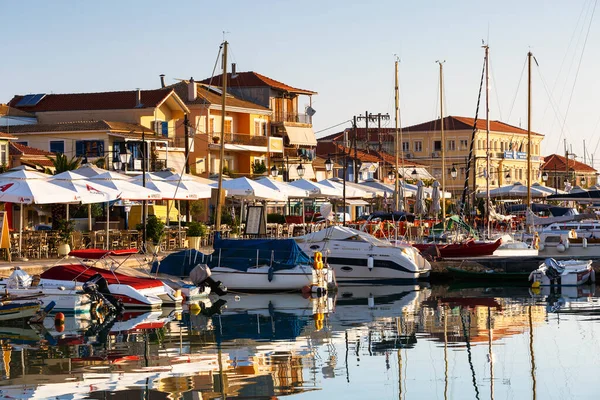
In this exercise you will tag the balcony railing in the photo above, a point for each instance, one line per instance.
(135, 165)
(290, 117)
(242, 139)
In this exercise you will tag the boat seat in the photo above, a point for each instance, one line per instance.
(35, 280)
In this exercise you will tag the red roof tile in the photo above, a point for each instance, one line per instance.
(22, 150)
(79, 126)
(555, 162)
(254, 79)
(36, 161)
(5, 109)
(207, 96)
(95, 101)
(453, 123)
(324, 149)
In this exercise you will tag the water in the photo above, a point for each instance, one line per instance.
(384, 342)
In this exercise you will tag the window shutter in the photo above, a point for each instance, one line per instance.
(79, 148)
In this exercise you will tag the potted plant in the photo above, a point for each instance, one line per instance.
(216, 139)
(195, 232)
(65, 232)
(235, 228)
(154, 232)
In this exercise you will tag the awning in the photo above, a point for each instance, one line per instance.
(353, 202)
(175, 159)
(301, 136)
(407, 172)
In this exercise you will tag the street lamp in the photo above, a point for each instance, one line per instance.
(391, 174)
(274, 171)
(507, 178)
(328, 166)
(453, 172)
(414, 173)
(544, 177)
(582, 181)
(124, 158)
(300, 170)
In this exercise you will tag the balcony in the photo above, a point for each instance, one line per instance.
(290, 117)
(242, 139)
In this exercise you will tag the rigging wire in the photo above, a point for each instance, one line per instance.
(517, 91)
(496, 91)
(577, 73)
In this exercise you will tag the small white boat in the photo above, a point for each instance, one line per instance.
(563, 273)
(20, 285)
(267, 265)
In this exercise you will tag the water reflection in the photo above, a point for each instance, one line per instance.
(367, 342)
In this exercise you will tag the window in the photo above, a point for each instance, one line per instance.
(437, 145)
(57, 146)
(451, 145)
(228, 125)
(89, 148)
(4, 154)
(464, 144)
(405, 146)
(418, 146)
(260, 127)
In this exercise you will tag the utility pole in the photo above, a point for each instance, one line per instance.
(441, 63)
(222, 150)
(372, 117)
(355, 153)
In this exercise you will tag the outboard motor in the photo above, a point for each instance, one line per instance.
(553, 269)
(200, 276)
(97, 284)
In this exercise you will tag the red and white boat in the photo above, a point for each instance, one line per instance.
(133, 292)
(469, 248)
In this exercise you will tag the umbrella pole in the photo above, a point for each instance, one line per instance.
(21, 230)
(179, 221)
(107, 224)
(67, 213)
(90, 217)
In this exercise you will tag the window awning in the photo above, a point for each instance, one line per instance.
(352, 202)
(422, 173)
(301, 136)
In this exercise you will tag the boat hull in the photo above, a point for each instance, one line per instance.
(462, 250)
(71, 301)
(257, 279)
(575, 273)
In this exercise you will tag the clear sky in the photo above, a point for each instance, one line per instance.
(344, 50)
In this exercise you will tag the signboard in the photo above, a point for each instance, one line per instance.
(275, 145)
(255, 221)
(515, 155)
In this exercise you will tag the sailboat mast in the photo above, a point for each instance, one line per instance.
(529, 55)
(443, 139)
(487, 137)
(396, 142)
(222, 149)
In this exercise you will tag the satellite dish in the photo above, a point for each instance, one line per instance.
(310, 111)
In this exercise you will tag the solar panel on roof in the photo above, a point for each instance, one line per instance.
(30, 100)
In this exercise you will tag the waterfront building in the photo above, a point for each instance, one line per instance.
(561, 172)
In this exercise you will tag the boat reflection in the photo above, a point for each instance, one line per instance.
(474, 342)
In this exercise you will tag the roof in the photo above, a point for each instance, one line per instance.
(254, 79)
(328, 149)
(208, 96)
(42, 162)
(557, 162)
(17, 149)
(96, 101)
(5, 109)
(79, 126)
(454, 123)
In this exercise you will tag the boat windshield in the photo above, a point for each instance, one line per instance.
(365, 237)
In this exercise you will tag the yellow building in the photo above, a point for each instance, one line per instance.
(97, 126)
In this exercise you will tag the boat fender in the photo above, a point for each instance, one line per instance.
(584, 243)
(371, 301)
(270, 274)
(318, 263)
(561, 248)
(370, 263)
(593, 276)
(566, 244)
(59, 322)
(306, 289)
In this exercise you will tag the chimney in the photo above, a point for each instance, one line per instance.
(192, 90)
(138, 98)
(162, 80)
(233, 70)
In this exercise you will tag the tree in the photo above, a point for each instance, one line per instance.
(61, 163)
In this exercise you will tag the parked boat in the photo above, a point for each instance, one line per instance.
(20, 285)
(12, 309)
(267, 265)
(563, 273)
(469, 248)
(132, 292)
(489, 276)
(356, 256)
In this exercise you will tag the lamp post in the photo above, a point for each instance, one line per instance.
(507, 178)
(328, 167)
(300, 170)
(125, 158)
(453, 174)
(274, 171)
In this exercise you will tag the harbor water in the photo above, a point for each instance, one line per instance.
(366, 342)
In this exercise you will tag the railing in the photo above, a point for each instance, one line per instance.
(241, 139)
(279, 116)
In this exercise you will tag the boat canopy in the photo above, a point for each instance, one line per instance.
(341, 233)
(243, 254)
(180, 263)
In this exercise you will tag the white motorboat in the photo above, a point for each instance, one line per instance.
(267, 265)
(20, 285)
(563, 273)
(356, 256)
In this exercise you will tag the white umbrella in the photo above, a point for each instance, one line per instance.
(316, 189)
(434, 209)
(420, 207)
(516, 190)
(409, 190)
(247, 189)
(89, 170)
(167, 190)
(289, 190)
(193, 184)
(88, 191)
(127, 189)
(374, 192)
(351, 191)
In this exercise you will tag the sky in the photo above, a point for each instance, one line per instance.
(344, 50)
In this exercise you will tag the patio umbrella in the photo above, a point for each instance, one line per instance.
(351, 190)
(420, 207)
(247, 189)
(316, 189)
(24, 186)
(196, 185)
(434, 208)
(89, 170)
(285, 188)
(516, 190)
(410, 190)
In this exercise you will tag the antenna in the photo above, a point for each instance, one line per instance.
(225, 33)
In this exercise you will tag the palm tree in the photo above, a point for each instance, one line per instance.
(62, 164)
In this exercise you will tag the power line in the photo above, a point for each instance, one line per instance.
(334, 126)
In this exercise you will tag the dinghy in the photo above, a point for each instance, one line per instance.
(563, 273)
